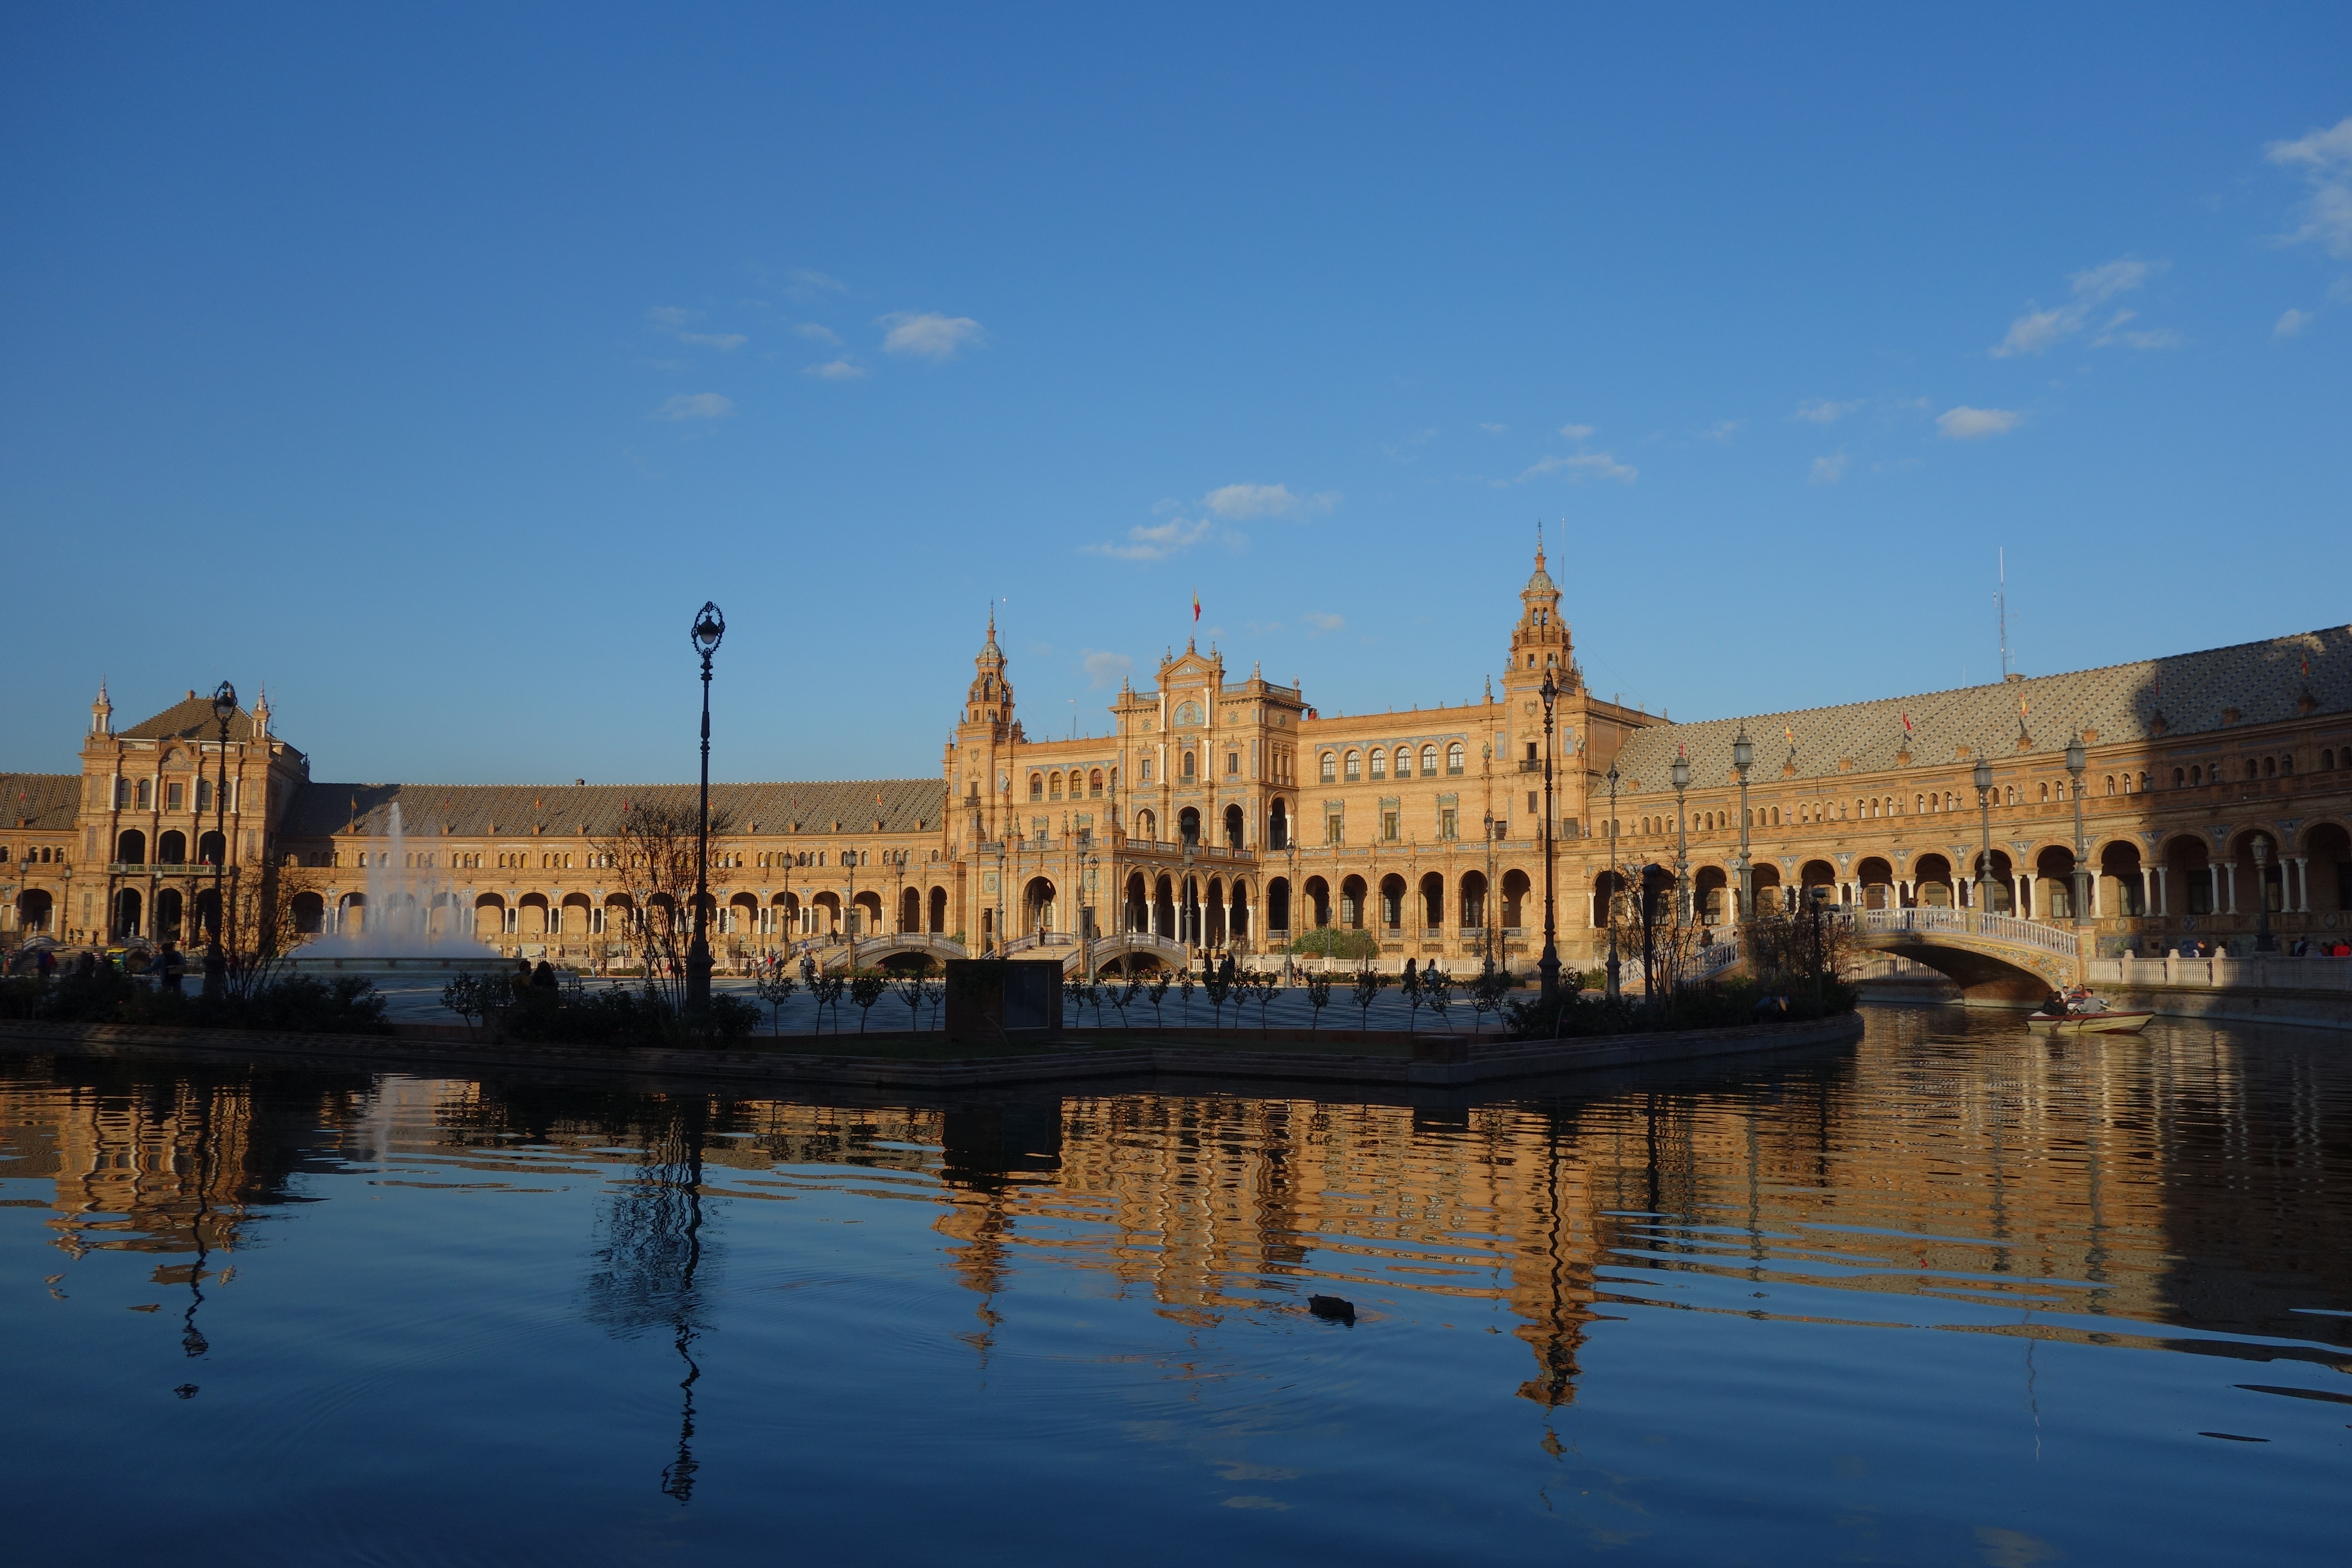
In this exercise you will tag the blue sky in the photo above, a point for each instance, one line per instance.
(432, 366)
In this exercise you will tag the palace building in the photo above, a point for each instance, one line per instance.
(1224, 813)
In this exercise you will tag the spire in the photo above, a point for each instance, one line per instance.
(101, 712)
(261, 716)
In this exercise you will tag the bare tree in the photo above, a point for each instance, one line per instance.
(652, 857)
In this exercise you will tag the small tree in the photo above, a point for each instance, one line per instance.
(1261, 985)
(1218, 987)
(910, 992)
(775, 988)
(827, 990)
(1437, 991)
(864, 990)
(1184, 984)
(1368, 984)
(1486, 993)
(469, 996)
(1319, 997)
(1122, 995)
(1411, 986)
(1158, 991)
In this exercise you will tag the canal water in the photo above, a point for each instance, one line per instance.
(1948, 1296)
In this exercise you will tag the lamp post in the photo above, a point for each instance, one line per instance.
(1743, 756)
(2263, 941)
(2074, 763)
(1548, 965)
(1983, 777)
(709, 625)
(1485, 914)
(1681, 774)
(215, 960)
(1615, 882)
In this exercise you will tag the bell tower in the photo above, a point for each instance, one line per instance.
(979, 760)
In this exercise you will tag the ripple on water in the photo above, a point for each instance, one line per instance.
(1957, 1295)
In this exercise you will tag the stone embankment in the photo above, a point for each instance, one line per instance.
(1431, 1060)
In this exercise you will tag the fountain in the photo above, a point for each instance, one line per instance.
(399, 930)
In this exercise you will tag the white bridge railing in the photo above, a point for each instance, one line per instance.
(1969, 922)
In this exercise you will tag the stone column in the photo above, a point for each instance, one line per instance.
(2302, 904)
(2233, 869)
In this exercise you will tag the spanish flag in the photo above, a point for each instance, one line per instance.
(1196, 604)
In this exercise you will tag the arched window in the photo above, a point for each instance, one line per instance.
(2327, 759)
(1428, 760)
(1094, 784)
(1036, 786)
(1453, 758)
(1331, 768)
(2270, 767)
(1190, 769)
(1405, 762)
(1054, 785)
(2286, 765)
(1355, 766)
(1147, 770)
(1379, 763)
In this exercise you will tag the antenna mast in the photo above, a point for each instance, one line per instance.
(2001, 608)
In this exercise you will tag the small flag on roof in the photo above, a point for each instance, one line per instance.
(1907, 723)
(1196, 604)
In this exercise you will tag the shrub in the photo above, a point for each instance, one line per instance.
(1337, 941)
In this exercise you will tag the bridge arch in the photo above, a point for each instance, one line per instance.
(1995, 960)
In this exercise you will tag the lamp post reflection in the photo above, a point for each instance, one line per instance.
(649, 1269)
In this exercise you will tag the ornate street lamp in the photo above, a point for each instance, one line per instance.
(709, 625)
(1486, 912)
(1983, 777)
(1743, 756)
(1548, 965)
(2263, 941)
(2074, 763)
(1681, 773)
(1616, 882)
(215, 960)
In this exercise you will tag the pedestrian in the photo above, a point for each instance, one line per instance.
(521, 983)
(175, 967)
(44, 962)
(543, 977)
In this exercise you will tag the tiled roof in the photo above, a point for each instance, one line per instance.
(595, 810)
(189, 721)
(44, 802)
(2185, 694)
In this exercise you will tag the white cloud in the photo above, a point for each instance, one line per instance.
(695, 406)
(1105, 669)
(1966, 424)
(1722, 429)
(669, 315)
(1492, 429)
(1156, 540)
(1576, 432)
(816, 333)
(1825, 411)
(1324, 621)
(722, 342)
(2040, 330)
(1237, 501)
(802, 283)
(836, 370)
(1595, 465)
(928, 334)
(2326, 159)
(1829, 470)
(2155, 338)
(2293, 323)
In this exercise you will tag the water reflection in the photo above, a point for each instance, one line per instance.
(2186, 1190)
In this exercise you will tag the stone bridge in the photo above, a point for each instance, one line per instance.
(1130, 950)
(833, 952)
(1992, 958)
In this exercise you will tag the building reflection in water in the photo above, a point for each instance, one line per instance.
(2177, 1180)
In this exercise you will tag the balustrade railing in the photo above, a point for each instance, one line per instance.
(1969, 922)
